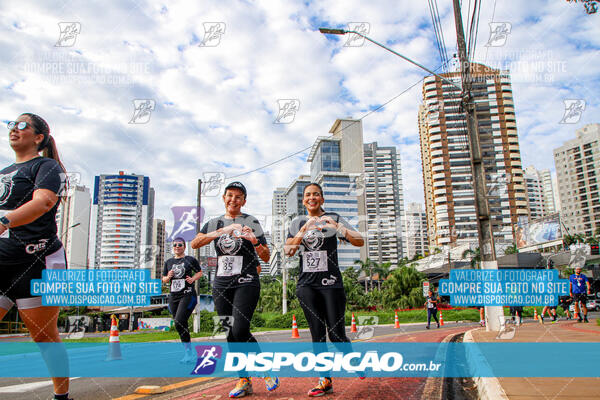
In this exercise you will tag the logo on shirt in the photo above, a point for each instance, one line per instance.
(229, 245)
(313, 240)
(6, 185)
(178, 271)
(245, 279)
(329, 281)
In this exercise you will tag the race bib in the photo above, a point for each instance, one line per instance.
(314, 261)
(177, 285)
(230, 265)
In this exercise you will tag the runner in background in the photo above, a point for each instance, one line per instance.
(29, 191)
(481, 315)
(431, 304)
(240, 245)
(182, 271)
(320, 288)
(551, 310)
(565, 302)
(579, 288)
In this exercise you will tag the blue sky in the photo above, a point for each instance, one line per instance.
(215, 105)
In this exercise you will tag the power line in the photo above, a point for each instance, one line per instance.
(306, 148)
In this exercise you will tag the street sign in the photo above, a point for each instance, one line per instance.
(425, 289)
(212, 261)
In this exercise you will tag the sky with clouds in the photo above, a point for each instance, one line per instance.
(214, 97)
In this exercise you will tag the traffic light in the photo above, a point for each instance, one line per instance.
(594, 250)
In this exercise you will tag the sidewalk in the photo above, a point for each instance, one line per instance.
(541, 388)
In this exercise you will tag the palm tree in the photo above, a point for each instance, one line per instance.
(367, 267)
(382, 270)
(475, 256)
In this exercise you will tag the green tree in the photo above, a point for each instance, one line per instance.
(402, 289)
(355, 298)
(512, 249)
(367, 267)
(475, 256)
(383, 271)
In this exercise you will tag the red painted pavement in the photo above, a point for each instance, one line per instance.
(344, 388)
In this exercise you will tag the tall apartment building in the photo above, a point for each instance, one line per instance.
(577, 164)
(385, 203)
(122, 215)
(447, 175)
(73, 223)
(540, 194)
(415, 231)
(337, 164)
(278, 217)
(159, 244)
(294, 195)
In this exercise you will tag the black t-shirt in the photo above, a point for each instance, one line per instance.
(17, 184)
(319, 266)
(182, 268)
(237, 257)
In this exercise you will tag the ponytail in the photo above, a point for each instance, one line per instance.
(50, 151)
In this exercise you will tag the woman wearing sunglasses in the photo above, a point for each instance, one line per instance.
(182, 271)
(320, 288)
(29, 194)
(240, 244)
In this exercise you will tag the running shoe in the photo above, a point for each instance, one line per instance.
(579, 320)
(586, 320)
(272, 383)
(426, 326)
(438, 324)
(243, 388)
(541, 320)
(324, 387)
(188, 357)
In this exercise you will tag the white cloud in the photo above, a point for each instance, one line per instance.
(215, 106)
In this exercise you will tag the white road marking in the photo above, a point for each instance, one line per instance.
(26, 387)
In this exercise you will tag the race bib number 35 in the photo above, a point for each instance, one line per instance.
(229, 265)
(314, 261)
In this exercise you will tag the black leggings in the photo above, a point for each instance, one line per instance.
(324, 311)
(239, 302)
(181, 308)
(432, 312)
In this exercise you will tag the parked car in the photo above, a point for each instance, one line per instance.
(591, 305)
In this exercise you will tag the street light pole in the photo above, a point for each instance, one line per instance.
(494, 314)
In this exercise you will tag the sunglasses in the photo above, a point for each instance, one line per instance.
(19, 124)
(178, 245)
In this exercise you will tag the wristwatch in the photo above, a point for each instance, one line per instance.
(4, 221)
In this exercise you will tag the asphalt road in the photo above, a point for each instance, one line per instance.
(114, 388)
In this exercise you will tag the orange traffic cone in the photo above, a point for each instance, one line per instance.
(441, 319)
(295, 334)
(114, 344)
(396, 322)
(535, 315)
(353, 326)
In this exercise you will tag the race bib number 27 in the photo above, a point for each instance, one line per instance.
(314, 261)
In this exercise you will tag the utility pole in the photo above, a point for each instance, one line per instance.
(198, 214)
(494, 314)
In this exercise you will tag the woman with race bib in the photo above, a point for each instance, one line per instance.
(240, 245)
(182, 271)
(29, 198)
(320, 288)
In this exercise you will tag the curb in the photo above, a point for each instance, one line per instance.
(434, 386)
(488, 388)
